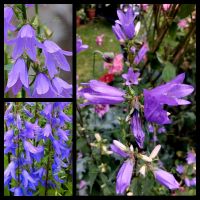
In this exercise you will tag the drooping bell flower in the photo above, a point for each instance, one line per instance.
(166, 179)
(10, 171)
(25, 42)
(98, 92)
(136, 128)
(17, 77)
(170, 94)
(124, 176)
(131, 77)
(80, 46)
(54, 57)
(43, 87)
(27, 179)
(8, 14)
(18, 191)
(62, 88)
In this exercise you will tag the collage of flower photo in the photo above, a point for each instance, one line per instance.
(126, 121)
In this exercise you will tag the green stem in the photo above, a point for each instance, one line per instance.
(93, 66)
(47, 168)
(37, 14)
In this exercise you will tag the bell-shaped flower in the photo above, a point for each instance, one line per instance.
(80, 46)
(54, 57)
(32, 151)
(126, 20)
(43, 87)
(58, 146)
(166, 179)
(8, 136)
(18, 191)
(25, 42)
(124, 176)
(10, 170)
(30, 129)
(136, 128)
(47, 130)
(131, 77)
(27, 178)
(17, 77)
(8, 14)
(62, 88)
(170, 94)
(64, 118)
(63, 135)
(141, 53)
(118, 148)
(98, 92)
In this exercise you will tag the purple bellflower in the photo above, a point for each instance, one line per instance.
(191, 158)
(190, 182)
(124, 176)
(166, 179)
(98, 92)
(131, 77)
(27, 179)
(180, 169)
(18, 191)
(62, 88)
(115, 148)
(136, 128)
(54, 57)
(17, 77)
(141, 53)
(43, 87)
(25, 41)
(8, 14)
(80, 46)
(126, 22)
(10, 171)
(170, 94)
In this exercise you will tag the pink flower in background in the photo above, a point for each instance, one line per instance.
(166, 7)
(117, 66)
(144, 6)
(101, 110)
(183, 23)
(99, 39)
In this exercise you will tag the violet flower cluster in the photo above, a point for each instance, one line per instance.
(171, 94)
(46, 83)
(39, 152)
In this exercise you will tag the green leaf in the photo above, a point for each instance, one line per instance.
(8, 67)
(173, 29)
(169, 72)
(93, 172)
(185, 10)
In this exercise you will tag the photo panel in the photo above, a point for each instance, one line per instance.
(136, 100)
(38, 50)
(38, 149)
